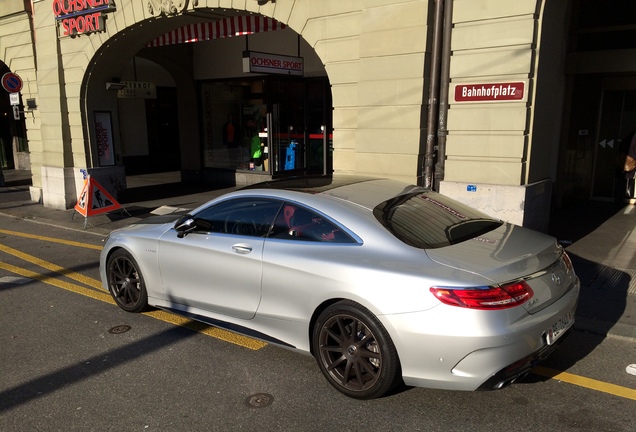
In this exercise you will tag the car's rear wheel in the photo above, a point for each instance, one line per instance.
(354, 351)
(125, 282)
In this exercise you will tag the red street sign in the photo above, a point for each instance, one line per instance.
(11, 82)
(491, 92)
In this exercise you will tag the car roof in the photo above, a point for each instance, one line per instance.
(311, 184)
(364, 191)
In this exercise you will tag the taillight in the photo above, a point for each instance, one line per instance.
(486, 298)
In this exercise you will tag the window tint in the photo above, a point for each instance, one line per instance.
(243, 216)
(428, 220)
(299, 223)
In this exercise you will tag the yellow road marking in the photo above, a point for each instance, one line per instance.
(580, 381)
(51, 239)
(53, 267)
(208, 330)
(168, 317)
(102, 296)
(224, 334)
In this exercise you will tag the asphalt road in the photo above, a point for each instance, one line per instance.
(72, 361)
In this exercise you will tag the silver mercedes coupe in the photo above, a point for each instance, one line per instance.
(381, 281)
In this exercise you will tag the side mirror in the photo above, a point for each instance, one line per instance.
(186, 224)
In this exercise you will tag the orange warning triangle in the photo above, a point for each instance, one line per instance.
(95, 200)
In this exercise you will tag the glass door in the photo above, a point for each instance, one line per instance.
(288, 125)
(319, 128)
(300, 131)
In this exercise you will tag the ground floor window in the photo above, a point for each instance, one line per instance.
(233, 115)
(267, 124)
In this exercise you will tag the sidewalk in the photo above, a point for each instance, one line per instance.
(604, 258)
(147, 195)
(600, 239)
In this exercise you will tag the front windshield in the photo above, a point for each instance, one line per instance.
(429, 220)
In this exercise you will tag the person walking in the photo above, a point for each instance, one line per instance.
(627, 164)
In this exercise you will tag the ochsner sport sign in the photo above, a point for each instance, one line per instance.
(82, 16)
(491, 92)
(272, 63)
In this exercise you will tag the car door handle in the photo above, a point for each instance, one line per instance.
(242, 248)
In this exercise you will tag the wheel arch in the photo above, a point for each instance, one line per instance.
(382, 335)
(119, 247)
(326, 303)
(112, 250)
(125, 280)
(314, 317)
(144, 266)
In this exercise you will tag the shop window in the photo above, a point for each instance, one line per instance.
(233, 115)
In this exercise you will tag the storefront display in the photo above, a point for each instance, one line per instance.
(268, 125)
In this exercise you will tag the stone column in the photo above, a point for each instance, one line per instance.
(54, 158)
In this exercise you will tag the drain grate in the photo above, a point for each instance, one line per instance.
(119, 329)
(631, 287)
(617, 280)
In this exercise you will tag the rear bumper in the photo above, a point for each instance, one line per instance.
(475, 354)
(520, 368)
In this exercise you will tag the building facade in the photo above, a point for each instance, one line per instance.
(511, 107)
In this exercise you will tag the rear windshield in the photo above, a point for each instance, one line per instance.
(428, 220)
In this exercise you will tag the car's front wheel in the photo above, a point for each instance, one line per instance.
(125, 282)
(354, 351)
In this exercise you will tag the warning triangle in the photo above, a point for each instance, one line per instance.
(95, 200)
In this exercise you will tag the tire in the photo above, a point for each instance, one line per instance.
(125, 282)
(354, 351)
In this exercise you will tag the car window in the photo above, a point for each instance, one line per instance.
(242, 216)
(428, 220)
(296, 222)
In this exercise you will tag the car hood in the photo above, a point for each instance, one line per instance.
(511, 253)
(158, 224)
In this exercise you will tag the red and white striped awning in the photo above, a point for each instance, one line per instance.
(228, 27)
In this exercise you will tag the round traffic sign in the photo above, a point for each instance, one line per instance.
(11, 82)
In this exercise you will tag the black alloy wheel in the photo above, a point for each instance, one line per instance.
(354, 351)
(125, 282)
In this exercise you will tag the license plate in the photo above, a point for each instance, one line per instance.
(559, 328)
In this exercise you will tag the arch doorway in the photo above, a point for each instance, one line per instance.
(188, 100)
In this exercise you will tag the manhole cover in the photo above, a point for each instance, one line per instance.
(119, 329)
(259, 400)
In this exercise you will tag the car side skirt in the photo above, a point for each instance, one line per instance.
(228, 326)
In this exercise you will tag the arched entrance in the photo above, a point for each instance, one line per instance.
(222, 96)
(373, 70)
